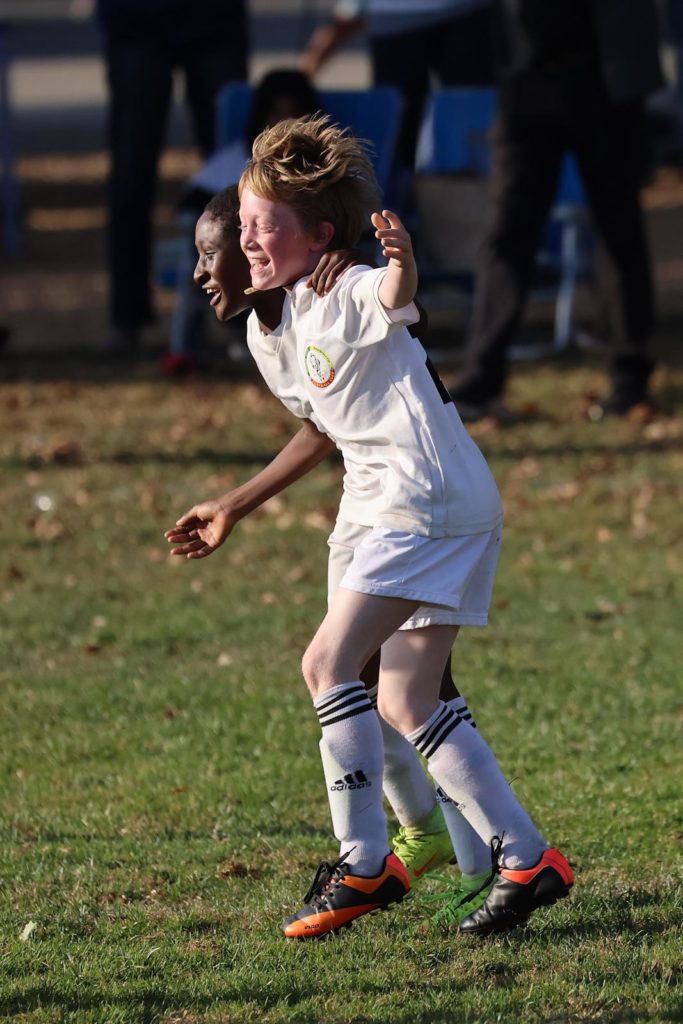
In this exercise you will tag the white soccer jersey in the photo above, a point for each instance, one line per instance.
(353, 368)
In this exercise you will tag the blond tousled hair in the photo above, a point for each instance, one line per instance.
(321, 171)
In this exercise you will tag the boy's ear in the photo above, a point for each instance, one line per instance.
(324, 233)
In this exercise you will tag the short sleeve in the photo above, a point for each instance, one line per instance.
(366, 320)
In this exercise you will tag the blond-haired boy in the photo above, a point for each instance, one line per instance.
(420, 513)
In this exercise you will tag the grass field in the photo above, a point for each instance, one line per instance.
(162, 805)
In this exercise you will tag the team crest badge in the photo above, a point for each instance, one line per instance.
(319, 367)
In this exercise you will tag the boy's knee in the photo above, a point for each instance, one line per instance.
(324, 665)
(316, 669)
(405, 713)
(390, 711)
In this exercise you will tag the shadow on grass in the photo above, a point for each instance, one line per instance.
(293, 830)
(225, 458)
(147, 1006)
(150, 1006)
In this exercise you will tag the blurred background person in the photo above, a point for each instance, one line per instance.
(413, 43)
(280, 94)
(669, 104)
(573, 75)
(144, 42)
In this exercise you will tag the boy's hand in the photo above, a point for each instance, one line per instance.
(395, 240)
(201, 530)
(399, 283)
(331, 267)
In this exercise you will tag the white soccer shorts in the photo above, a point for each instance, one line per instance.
(452, 577)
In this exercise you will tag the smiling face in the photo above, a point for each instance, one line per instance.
(222, 271)
(278, 247)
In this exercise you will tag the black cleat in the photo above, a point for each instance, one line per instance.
(516, 894)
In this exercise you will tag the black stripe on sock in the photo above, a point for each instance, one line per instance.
(419, 740)
(439, 740)
(426, 738)
(323, 716)
(329, 701)
(349, 714)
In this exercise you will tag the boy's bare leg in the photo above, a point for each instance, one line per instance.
(367, 876)
(403, 660)
(458, 758)
(355, 627)
(423, 837)
(525, 873)
(411, 670)
(423, 841)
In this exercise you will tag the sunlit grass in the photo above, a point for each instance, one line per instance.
(161, 803)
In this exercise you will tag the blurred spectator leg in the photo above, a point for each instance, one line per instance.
(207, 64)
(527, 158)
(140, 79)
(187, 322)
(612, 155)
(456, 52)
(403, 62)
(674, 33)
(462, 49)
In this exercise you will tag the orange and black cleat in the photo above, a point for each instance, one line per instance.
(516, 894)
(337, 897)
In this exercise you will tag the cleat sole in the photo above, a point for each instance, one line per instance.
(510, 923)
(342, 927)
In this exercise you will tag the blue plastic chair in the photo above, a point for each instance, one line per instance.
(454, 136)
(454, 139)
(371, 114)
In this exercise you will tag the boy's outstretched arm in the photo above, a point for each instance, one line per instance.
(399, 284)
(208, 525)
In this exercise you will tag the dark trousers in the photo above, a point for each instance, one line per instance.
(140, 81)
(609, 143)
(455, 52)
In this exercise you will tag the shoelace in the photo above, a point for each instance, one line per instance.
(404, 839)
(496, 851)
(456, 895)
(324, 877)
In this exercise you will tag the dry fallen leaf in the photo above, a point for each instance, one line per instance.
(234, 869)
(566, 491)
(27, 931)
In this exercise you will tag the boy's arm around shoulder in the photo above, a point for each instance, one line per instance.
(206, 526)
(399, 283)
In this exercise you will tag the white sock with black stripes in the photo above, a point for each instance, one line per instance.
(406, 785)
(472, 853)
(464, 766)
(352, 734)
